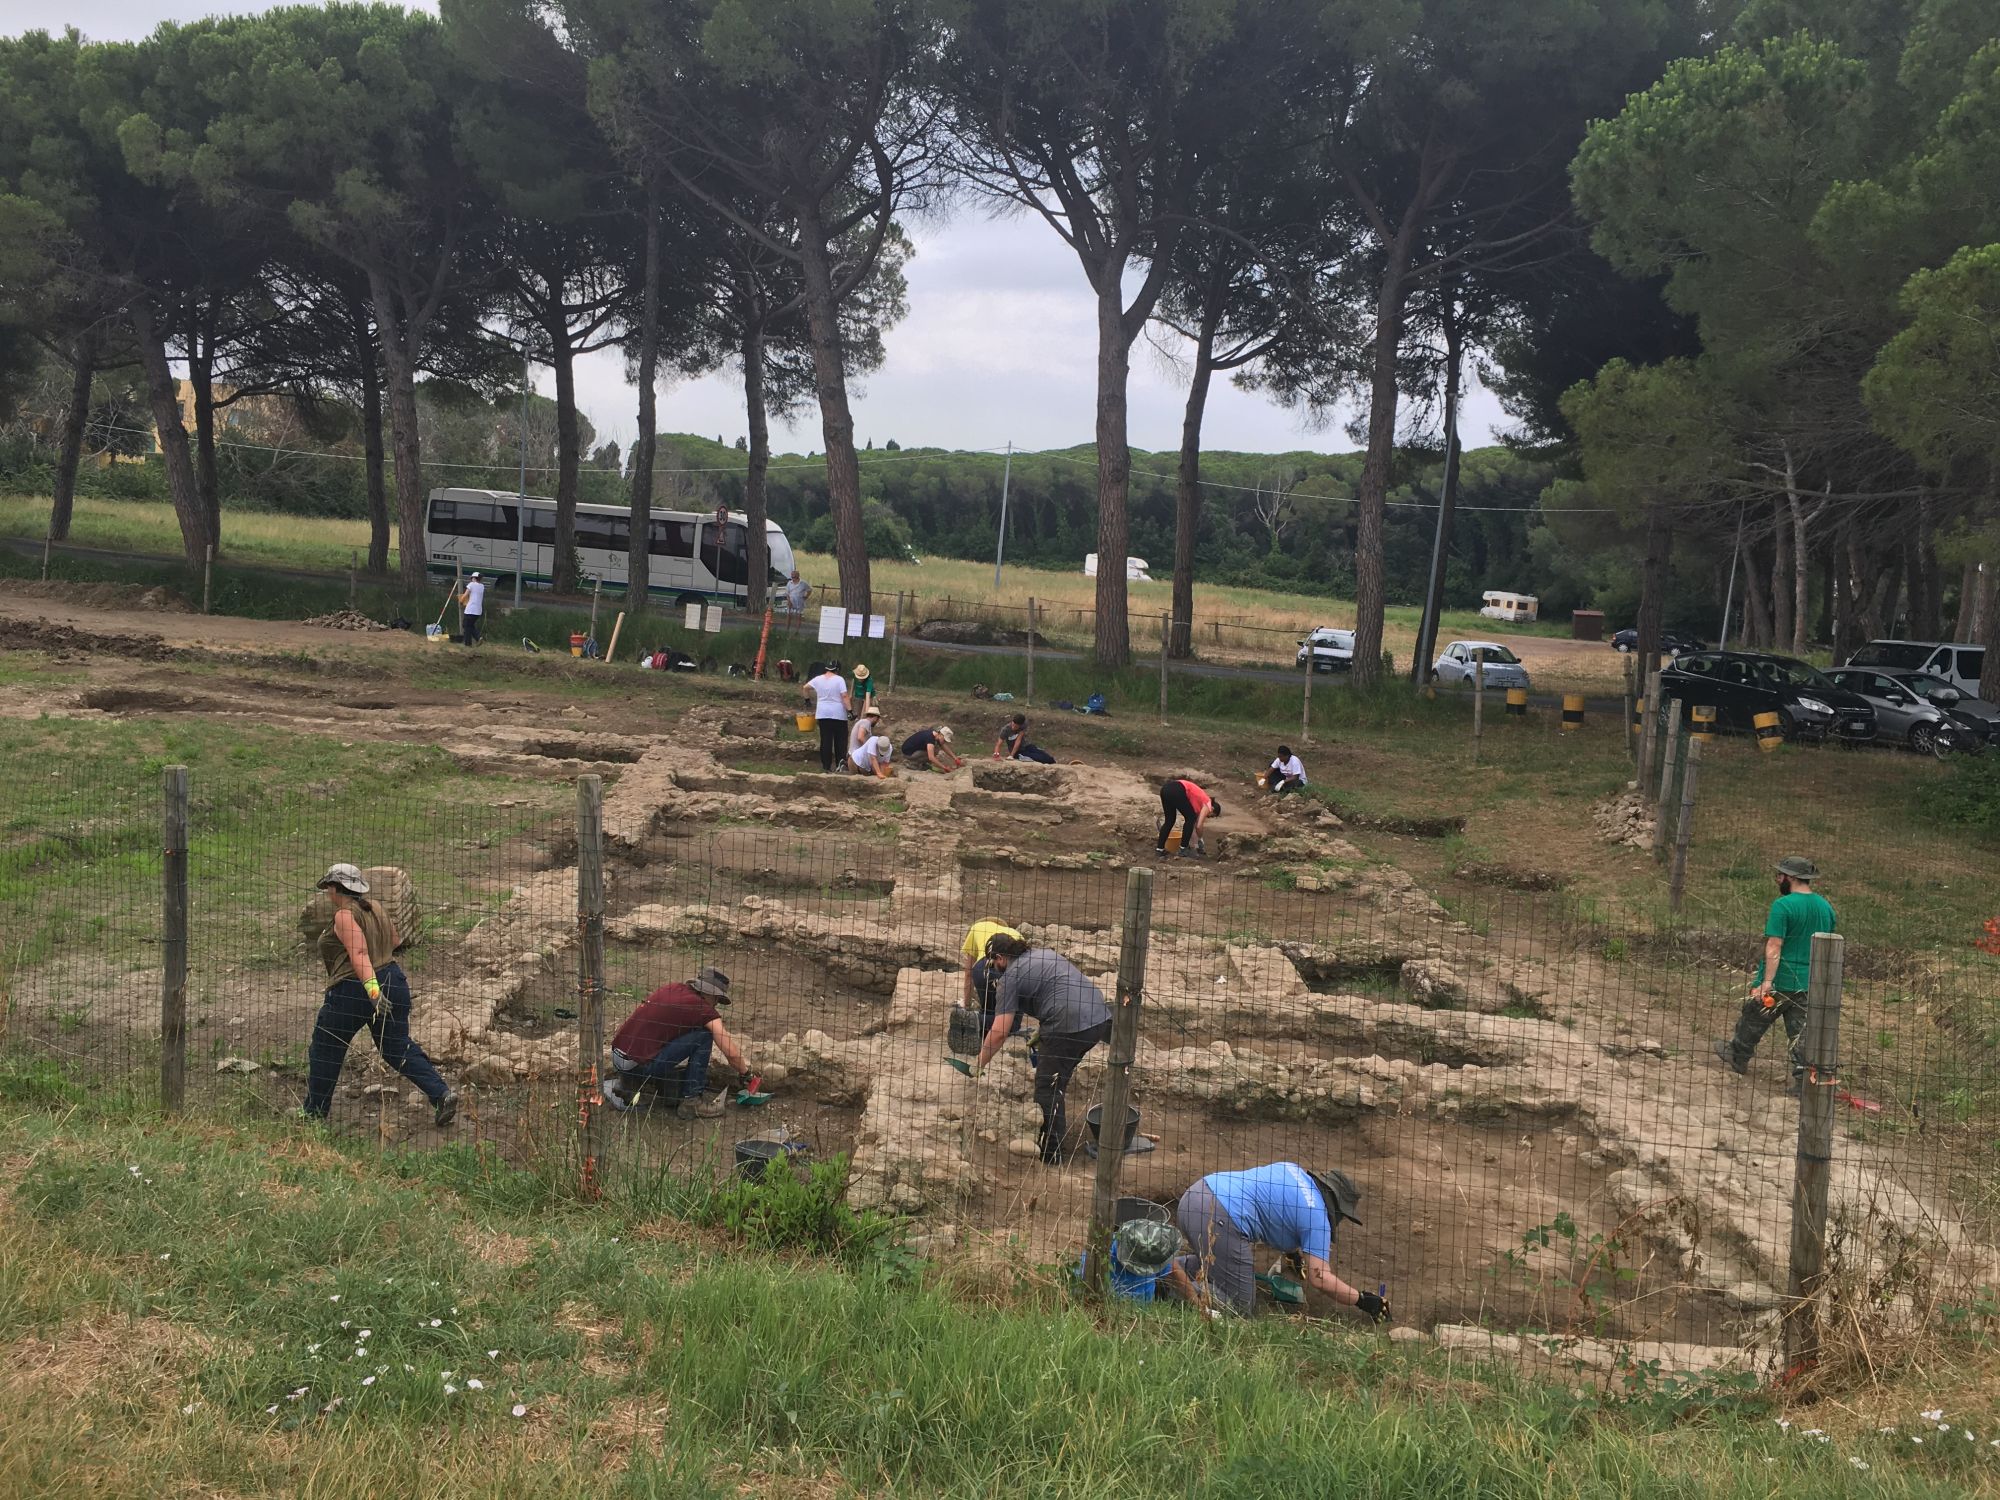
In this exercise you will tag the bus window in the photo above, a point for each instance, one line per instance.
(604, 533)
(541, 528)
(472, 518)
(733, 565)
(672, 539)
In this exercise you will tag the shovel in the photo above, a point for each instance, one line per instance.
(960, 1064)
(750, 1095)
(1282, 1288)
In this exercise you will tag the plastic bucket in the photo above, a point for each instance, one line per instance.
(1125, 1210)
(964, 1033)
(1094, 1118)
(754, 1158)
(576, 639)
(1173, 840)
(806, 722)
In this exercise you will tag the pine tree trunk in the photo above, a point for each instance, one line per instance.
(1187, 493)
(76, 417)
(1652, 585)
(1454, 373)
(1756, 605)
(836, 418)
(568, 460)
(1989, 632)
(639, 556)
(754, 508)
(1114, 469)
(405, 444)
(368, 359)
(172, 435)
(1781, 574)
(1926, 588)
(1371, 494)
(201, 386)
(1801, 577)
(1967, 626)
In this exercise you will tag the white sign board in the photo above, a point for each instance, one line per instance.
(692, 616)
(877, 627)
(832, 624)
(856, 623)
(712, 621)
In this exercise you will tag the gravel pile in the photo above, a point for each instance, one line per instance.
(345, 619)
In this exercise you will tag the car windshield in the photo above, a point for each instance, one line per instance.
(1925, 683)
(1783, 669)
(1499, 656)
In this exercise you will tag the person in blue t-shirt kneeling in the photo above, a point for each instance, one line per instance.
(1281, 1205)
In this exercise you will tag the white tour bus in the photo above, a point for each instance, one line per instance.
(468, 529)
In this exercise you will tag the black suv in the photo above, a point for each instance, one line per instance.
(1743, 684)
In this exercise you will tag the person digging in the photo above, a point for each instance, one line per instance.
(1281, 1205)
(1797, 913)
(1074, 1018)
(671, 1036)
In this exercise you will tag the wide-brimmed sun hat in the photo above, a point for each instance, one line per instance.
(1341, 1195)
(712, 983)
(1798, 867)
(944, 733)
(860, 672)
(1145, 1247)
(347, 877)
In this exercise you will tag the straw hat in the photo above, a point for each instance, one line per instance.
(860, 672)
(944, 733)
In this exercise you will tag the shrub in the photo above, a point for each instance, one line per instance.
(1968, 795)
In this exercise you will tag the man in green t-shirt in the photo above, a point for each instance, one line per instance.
(1796, 915)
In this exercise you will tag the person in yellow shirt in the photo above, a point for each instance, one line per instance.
(982, 981)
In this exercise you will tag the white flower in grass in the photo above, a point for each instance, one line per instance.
(475, 1385)
(451, 1390)
(520, 1410)
(366, 1333)
(437, 1322)
(367, 1379)
(1918, 1441)
(1783, 1425)
(1858, 1463)
(312, 1348)
(334, 1298)
(347, 1322)
(166, 1255)
(270, 1411)
(1932, 1416)
(1944, 1427)
(492, 1353)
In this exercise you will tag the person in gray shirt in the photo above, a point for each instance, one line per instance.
(1074, 1017)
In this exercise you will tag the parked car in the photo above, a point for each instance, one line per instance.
(1975, 713)
(1332, 650)
(1902, 713)
(1627, 640)
(1743, 684)
(1954, 661)
(1503, 668)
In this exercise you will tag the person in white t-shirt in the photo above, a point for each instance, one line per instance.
(473, 601)
(831, 705)
(797, 591)
(1287, 772)
(867, 724)
(874, 756)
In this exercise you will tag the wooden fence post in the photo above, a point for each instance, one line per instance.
(1820, 1048)
(173, 938)
(895, 639)
(1478, 704)
(1649, 728)
(1631, 694)
(590, 979)
(1166, 623)
(1306, 712)
(1029, 694)
(1677, 880)
(1665, 803)
(207, 567)
(1134, 940)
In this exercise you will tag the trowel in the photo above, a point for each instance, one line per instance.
(750, 1094)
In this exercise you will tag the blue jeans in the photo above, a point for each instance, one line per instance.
(345, 1011)
(691, 1049)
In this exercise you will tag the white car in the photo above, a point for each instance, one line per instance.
(1332, 650)
(1503, 668)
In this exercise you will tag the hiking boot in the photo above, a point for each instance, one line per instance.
(446, 1109)
(1726, 1050)
(609, 1089)
(702, 1106)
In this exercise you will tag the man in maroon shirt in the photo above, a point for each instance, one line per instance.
(674, 1030)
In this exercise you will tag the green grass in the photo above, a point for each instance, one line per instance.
(183, 1307)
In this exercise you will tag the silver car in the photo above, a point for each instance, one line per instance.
(1901, 713)
(1331, 648)
(1503, 668)
(1973, 713)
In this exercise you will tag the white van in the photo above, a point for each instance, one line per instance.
(1956, 662)
(1496, 604)
(1135, 568)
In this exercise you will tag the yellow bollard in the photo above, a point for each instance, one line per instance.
(1703, 728)
(1770, 733)
(1572, 712)
(1517, 702)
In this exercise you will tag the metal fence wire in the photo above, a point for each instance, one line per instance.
(1513, 1058)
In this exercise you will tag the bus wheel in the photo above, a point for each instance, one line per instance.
(684, 600)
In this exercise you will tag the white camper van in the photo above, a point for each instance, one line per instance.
(1135, 568)
(1496, 604)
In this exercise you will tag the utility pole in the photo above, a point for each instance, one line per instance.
(1000, 547)
(1729, 599)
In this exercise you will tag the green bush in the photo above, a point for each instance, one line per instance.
(38, 1081)
(782, 1210)
(1969, 795)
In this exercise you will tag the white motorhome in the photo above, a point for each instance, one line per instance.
(1497, 604)
(1135, 568)
(692, 556)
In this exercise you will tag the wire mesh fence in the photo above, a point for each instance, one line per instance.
(1513, 1058)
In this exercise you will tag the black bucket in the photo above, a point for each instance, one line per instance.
(965, 1032)
(754, 1158)
(1094, 1118)
(1125, 1210)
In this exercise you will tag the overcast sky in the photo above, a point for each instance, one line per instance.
(998, 344)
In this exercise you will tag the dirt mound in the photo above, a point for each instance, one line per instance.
(345, 619)
(102, 595)
(1625, 819)
(41, 635)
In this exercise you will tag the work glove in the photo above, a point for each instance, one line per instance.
(1374, 1307)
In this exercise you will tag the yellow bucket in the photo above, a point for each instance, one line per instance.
(1173, 841)
(806, 722)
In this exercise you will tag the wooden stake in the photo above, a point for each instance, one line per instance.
(1134, 941)
(1478, 705)
(173, 938)
(895, 639)
(1664, 805)
(616, 626)
(590, 979)
(207, 567)
(1306, 709)
(1165, 624)
(1677, 880)
(1813, 1174)
(1029, 694)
